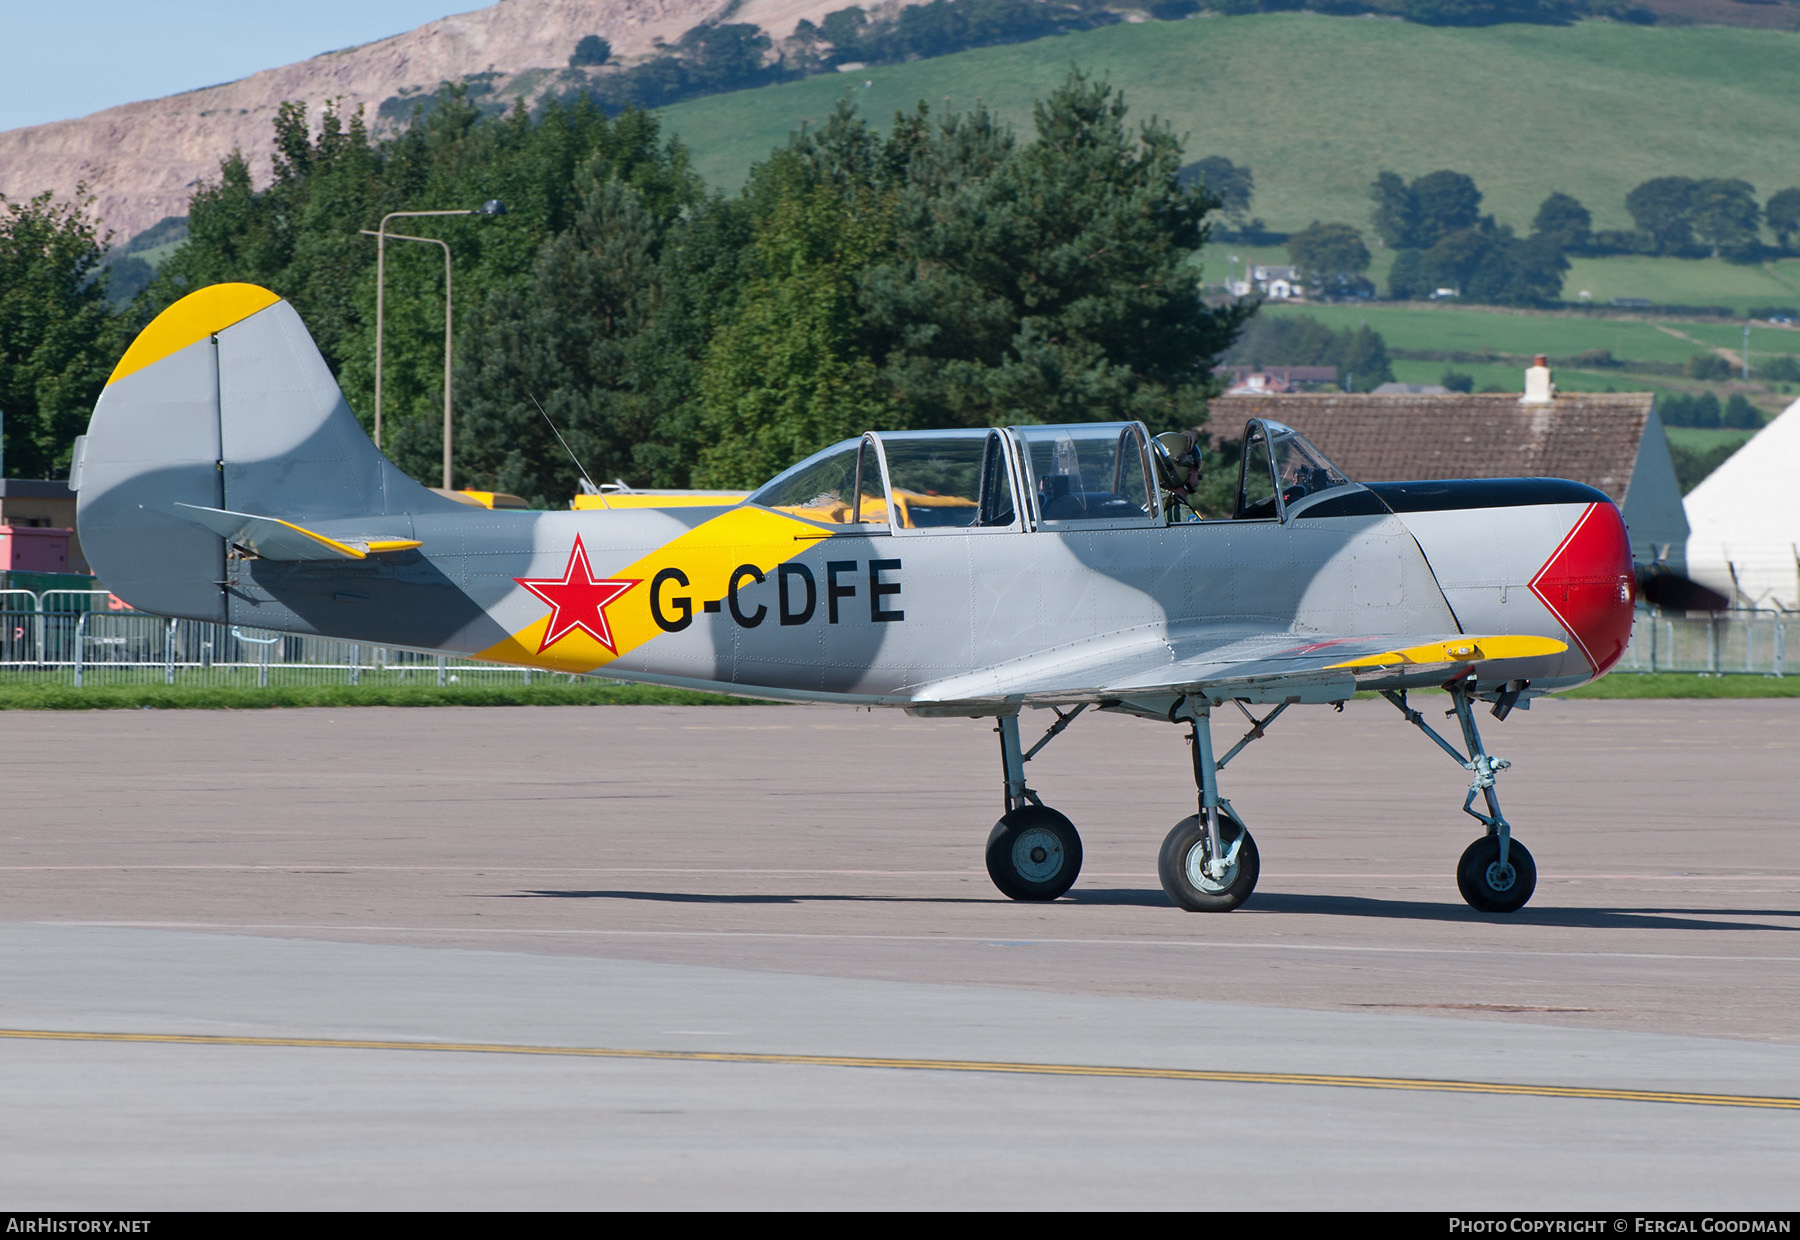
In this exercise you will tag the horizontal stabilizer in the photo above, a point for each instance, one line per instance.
(1462, 650)
(274, 539)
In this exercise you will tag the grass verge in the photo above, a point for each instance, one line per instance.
(607, 693)
(199, 697)
(1688, 685)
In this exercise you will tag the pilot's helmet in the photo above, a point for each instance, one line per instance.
(1178, 455)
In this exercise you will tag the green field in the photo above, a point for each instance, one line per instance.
(1217, 263)
(1317, 105)
(1477, 329)
(1688, 282)
(1703, 439)
(1665, 281)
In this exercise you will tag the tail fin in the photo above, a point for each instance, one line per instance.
(222, 403)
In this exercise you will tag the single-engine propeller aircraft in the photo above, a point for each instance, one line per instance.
(948, 573)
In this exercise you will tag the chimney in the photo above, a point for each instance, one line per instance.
(1538, 388)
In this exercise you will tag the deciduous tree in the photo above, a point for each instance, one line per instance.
(1783, 213)
(1663, 207)
(1564, 222)
(57, 337)
(1327, 251)
(1726, 216)
(1234, 185)
(1396, 214)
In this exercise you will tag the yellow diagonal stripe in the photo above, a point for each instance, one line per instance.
(706, 554)
(194, 317)
(1417, 1085)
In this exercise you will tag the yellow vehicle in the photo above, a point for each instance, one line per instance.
(614, 498)
(916, 511)
(484, 499)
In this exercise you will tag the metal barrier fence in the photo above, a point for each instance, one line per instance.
(1752, 642)
(83, 637)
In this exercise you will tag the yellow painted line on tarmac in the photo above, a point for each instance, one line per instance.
(1416, 1085)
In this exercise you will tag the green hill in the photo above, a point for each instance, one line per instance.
(1317, 105)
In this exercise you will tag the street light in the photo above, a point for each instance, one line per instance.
(492, 206)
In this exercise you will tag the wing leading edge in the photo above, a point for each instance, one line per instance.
(1258, 665)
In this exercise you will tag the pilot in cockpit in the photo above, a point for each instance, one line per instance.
(1304, 479)
(1178, 455)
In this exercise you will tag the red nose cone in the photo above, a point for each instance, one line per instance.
(1588, 584)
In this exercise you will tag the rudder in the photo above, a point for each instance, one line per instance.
(223, 402)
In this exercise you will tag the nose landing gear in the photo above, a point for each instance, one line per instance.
(1496, 873)
(1209, 863)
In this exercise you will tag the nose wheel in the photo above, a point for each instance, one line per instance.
(1188, 878)
(1491, 885)
(1209, 863)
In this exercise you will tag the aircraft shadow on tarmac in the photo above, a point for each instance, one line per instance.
(703, 897)
(1267, 903)
(1533, 915)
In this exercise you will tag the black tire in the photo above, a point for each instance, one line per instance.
(1488, 888)
(1034, 853)
(1184, 853)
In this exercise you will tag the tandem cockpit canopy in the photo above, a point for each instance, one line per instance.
(1282, 472)
(1084, 475)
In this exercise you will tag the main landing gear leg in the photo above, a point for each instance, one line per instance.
(1209, 862)
(1496, 873)
(1033, 852)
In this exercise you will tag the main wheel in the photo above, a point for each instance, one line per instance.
(1034, 853)
(1490, 887)
(1182, 866)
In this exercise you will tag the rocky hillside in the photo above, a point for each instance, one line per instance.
(143, 160)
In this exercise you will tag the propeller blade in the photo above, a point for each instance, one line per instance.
(1674, 591)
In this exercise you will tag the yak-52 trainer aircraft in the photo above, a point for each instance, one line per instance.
(949, 573)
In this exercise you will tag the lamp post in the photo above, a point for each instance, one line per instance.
(492, 206)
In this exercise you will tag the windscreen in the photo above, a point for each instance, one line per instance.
(1300, 467)
(948, 479)
(1087, 472)
(1281, 468)
(824, 487)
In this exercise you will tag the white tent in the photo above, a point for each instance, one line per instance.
(1744, 520)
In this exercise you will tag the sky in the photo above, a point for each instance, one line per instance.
(66, 58)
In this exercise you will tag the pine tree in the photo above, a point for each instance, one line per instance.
(1050, 282)
(565, 342)
(785, 376)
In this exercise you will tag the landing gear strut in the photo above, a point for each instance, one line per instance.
(1033, 852)
(1209, 863)
(1496, 873)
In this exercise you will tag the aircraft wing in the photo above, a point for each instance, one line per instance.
(1257, 665)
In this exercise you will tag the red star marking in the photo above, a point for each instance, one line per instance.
(577, 601)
